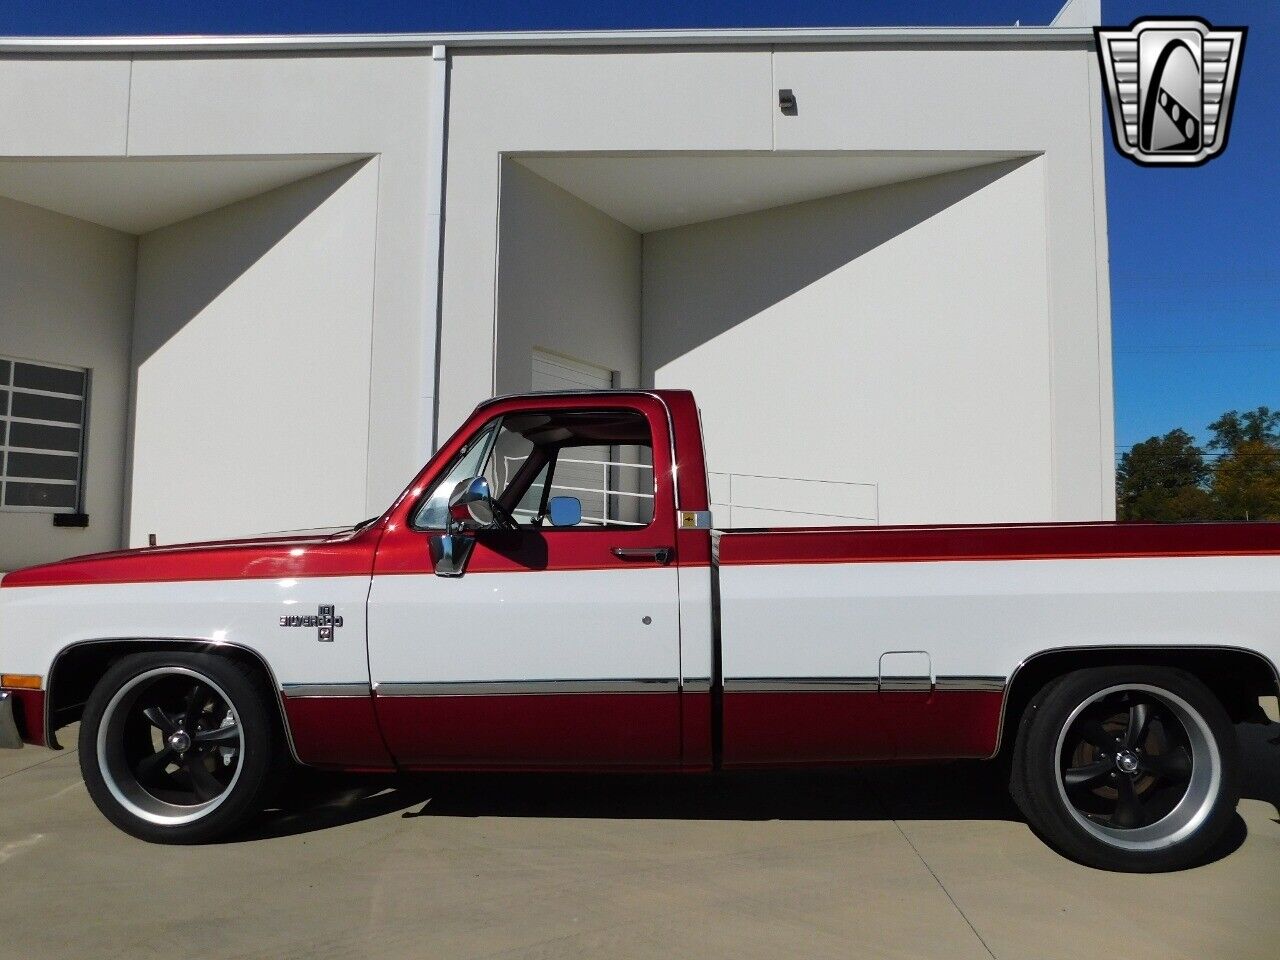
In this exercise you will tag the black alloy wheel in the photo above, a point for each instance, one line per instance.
(1131, 768)
(180, 747)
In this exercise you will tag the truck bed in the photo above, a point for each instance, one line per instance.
(873, 643)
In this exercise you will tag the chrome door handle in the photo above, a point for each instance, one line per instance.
(660, 554)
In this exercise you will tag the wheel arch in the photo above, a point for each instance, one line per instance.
(1237, 676)
(79, 666)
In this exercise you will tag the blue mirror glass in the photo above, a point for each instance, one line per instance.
(565, 511)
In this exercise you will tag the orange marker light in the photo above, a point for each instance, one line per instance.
(19, 681)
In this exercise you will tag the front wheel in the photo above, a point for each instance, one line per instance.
(1128, 768)
(179, 747)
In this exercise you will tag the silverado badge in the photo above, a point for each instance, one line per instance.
(325, 622)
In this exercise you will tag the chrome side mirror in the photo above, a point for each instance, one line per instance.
(470, 509)
(564, 511)
(471, 505)
(450, 553)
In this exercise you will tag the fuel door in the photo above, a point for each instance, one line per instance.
(906, 671)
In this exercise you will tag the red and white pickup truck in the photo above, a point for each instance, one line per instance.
(483, 622)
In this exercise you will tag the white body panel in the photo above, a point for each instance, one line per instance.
(982, 618)
(697, 641)
(545, 625)
(38, 622)
(973, 618)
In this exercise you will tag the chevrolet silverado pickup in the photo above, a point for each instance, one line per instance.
(550, 593)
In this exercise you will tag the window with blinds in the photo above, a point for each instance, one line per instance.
(42, 426)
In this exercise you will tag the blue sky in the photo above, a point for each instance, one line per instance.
(1195, 254)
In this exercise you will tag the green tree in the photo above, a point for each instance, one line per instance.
(1246, 478)
(1246, 482)
(1232, 429)
(1163, 479)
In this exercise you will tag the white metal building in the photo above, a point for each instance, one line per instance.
(269, 273)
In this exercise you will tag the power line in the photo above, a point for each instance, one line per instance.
(1248, 348)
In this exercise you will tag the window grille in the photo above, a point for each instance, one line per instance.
(42, 427)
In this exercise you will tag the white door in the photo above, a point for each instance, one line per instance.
(558, 645)
(554, 372)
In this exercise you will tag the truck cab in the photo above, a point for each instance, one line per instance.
(550, 631)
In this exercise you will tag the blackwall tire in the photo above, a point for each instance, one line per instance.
(180, 747)
(1132, 769)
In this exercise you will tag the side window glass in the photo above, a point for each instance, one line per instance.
(434, 511)
(614, 483)
(603, 458)
(507, 466)
(529, 509)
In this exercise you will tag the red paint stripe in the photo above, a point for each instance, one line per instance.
(337, 732)
(691, 479)
(771, 728)
(28, 712)
(344, 556)
(558, 568)
(695, 730)
(951, 724)
(1067, 541)
(535, 731)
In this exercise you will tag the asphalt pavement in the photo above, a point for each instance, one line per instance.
(919, 862)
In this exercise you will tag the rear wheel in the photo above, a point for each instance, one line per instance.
(179, 747)
(1128, 768)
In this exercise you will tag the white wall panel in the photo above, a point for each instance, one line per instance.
(575, 101)
(1022, 260)
(256, 104)
(364, 103)
(917, 99)
(568, 282)
(749, 500)
(65, 106)
(1045, 101)
(252, 351)
(897, 336)
(66, 297)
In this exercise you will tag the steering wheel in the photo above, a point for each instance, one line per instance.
(503, 519)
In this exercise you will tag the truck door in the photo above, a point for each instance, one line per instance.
(557, 645)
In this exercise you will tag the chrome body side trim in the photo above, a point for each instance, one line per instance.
(802, 685)
(696, 685)
(906, 684)
(295, 690)
(971, 684)
(490, 688)
(10, 739)
(200, 644)
(955, 684)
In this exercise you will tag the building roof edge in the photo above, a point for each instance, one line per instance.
(210, 43)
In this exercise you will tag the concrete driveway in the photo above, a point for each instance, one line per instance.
(911, 863)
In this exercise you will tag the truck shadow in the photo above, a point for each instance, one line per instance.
(953, 791)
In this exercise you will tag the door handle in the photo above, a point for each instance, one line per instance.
(660, 554)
